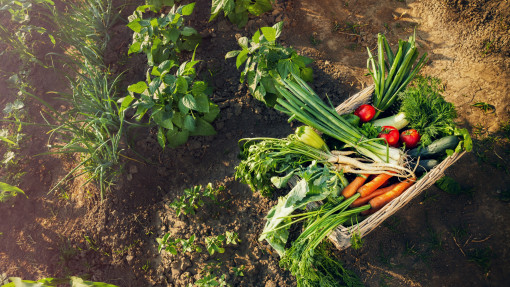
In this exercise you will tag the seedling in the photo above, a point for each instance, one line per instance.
(214, 243)
(173, 245)
(239, 271)
(192, 198)
(231, 238)
(487, 108)
(314, 40)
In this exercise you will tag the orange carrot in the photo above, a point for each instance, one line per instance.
(374, 184)
(381, 200)
(352, 187)
(364, 200)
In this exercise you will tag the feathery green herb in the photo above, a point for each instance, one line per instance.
(427, 111)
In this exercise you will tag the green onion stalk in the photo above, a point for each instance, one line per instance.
(400, 70)
(300, 102)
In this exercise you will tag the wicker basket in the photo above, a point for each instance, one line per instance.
(341, 237)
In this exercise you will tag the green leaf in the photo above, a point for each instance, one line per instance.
(189, 43)
(163, 118)
(189, 102)
(214, 111)
(218, 5)
(203, 128)
(199, 87)
(202, 103)
(243, 42)
(307, 74)
(256, 37)
(188, 31)
(78, 282)
(173, 35)
(135, 26)
(269, 33)
(188, 9)
(189, 123)
(161, 137)
(178, 120)
(134, 48)
(52, 39)
(260, 7)
(232, 54)
(138, 88)
(176, 138)
(126, 102)
(181, 85)
(241, 58)
(278, 28)
(449, 185)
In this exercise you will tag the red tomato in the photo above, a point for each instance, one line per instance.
(410, 138)
(390, 134)
(365, 113)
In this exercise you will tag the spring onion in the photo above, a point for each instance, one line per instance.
(300, 102)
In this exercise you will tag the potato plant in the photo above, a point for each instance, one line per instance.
(162, 38)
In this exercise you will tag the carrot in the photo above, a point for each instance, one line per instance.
(364, 200)
(374, 184)
(381, 200)
(352, 187)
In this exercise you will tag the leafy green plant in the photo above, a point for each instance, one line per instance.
(172, 245)
(94, 126)
(231, 238)
(161, 38)
(192, 199)
(211, 280)
(237, 11)
(8, 191)
(264, 58)
(239, 271)
(18, 36)
(214, 244)
(178, 104)
(487, 108)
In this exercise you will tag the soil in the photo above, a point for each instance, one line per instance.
(438, 239)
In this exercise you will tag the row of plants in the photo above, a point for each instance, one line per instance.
(358, 164)
(18, 37)
(187, 204)
(178, 103)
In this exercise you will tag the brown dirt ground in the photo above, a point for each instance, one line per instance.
(433, 241)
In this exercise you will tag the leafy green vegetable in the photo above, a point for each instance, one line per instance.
(317, 183)
(268, 160)
(306, 260)
(237, 11)
(427, 111)
(161, 38)
(263, 58)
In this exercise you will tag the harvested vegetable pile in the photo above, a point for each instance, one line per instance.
(375, 161)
